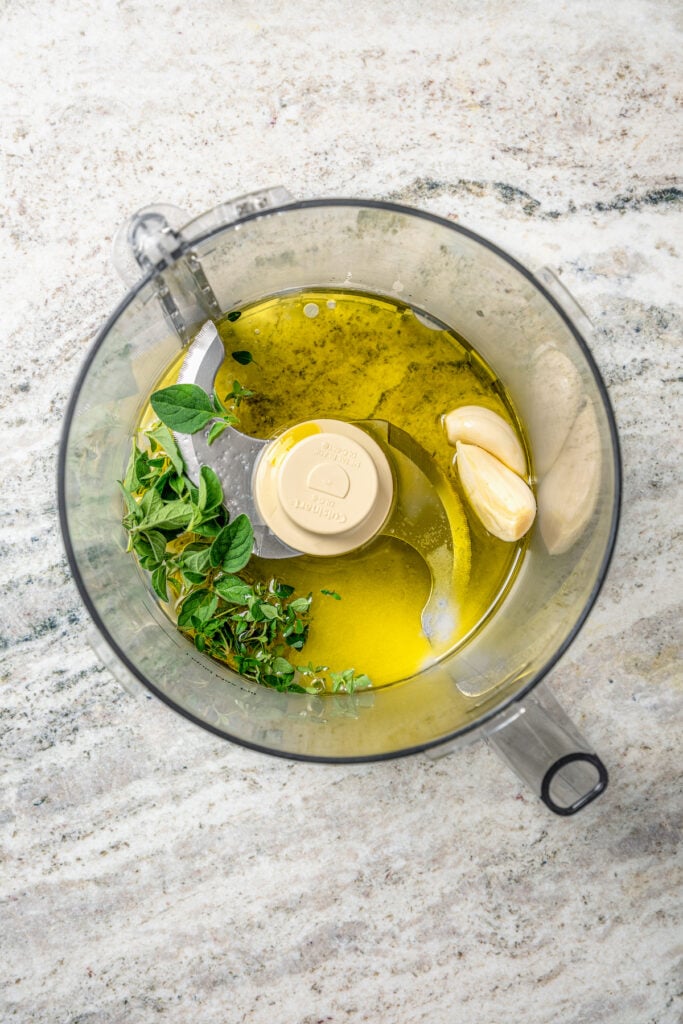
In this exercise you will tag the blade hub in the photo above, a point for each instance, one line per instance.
(324, 487)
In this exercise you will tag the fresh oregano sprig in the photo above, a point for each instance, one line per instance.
(186, 408)
(183, 536)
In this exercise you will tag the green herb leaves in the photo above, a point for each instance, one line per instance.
(232, 547)
(183, 536)
(183, 407)
(348, 682)
(159, 582)
(233, 590)
(163, 438)
(199, 559)
(216, 431)
(210, 495)
(238, 393)
(243, 357)
(172, 515)
(186, 408)
(247, 625)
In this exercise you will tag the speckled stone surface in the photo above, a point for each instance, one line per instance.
(152, 872)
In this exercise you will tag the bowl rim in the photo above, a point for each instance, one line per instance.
(471, 727)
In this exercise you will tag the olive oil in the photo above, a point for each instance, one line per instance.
(352, 356)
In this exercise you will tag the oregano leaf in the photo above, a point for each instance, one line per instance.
(157, 542)
(183, 407)
(231, 550)
(216, 430)
(281, 667)
(173, 515)
(210, 490)
(131, 481)
(163, 436)
(131, 503)
(196, 561)
(242, 357)
(199, 606)
(159, 582)
(233, 590)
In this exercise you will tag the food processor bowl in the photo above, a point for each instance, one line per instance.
(183, 272)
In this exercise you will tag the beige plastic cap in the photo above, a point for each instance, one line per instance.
(324, 487)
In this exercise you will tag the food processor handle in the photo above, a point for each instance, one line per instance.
(537, 739)
(158, 241)
(541, 744)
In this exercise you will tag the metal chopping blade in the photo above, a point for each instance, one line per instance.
(425, 513)
(233, 455)
(427, 516)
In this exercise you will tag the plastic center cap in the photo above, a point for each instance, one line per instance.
(324, 487)
(327, 483)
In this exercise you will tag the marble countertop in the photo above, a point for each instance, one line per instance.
(153, 872)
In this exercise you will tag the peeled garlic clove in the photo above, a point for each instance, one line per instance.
(555, 396)
(501, 499)
(474, 424)
(568, 493)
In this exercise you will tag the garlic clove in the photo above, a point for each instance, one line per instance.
(502, 500)
(568, 493)
(555, 396)
(474, 424)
